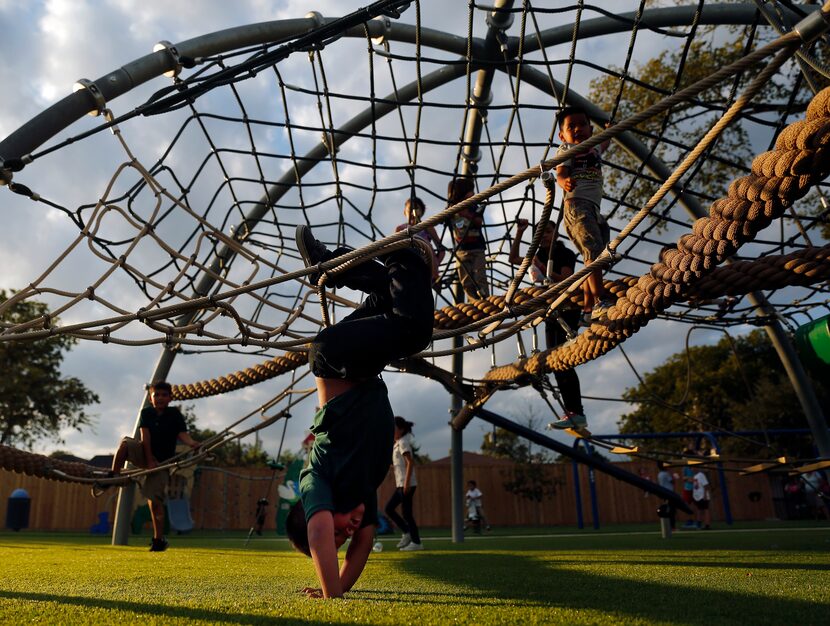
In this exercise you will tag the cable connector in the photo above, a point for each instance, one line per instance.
(814, 25)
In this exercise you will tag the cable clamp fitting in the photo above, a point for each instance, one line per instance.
(97, 97)
(174, 55)
(812, 26)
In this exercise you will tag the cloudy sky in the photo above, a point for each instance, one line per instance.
(47, 46)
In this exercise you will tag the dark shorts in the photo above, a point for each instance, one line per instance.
(702, 505)
(687, 496)
(586, 227)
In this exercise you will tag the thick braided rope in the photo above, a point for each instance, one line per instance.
(779, 177)
(42, 466)
(800, 268)
(243, 378)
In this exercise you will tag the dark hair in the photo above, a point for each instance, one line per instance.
(296, 528)
(661, 465)
(473, 483)
(568, 111)
(405, 426)
(458, 189)
(162, 385)
(415, 203)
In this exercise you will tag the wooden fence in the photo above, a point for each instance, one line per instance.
(226, 499)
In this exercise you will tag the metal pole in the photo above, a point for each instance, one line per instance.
(457, 439)
(724, 491)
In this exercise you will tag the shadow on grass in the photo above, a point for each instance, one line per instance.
(157, 610)
(499, 579)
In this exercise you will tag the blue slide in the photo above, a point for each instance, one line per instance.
(178, 512)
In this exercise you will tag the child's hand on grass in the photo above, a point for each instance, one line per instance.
(313, 592)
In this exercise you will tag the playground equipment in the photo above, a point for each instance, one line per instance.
(197, 232)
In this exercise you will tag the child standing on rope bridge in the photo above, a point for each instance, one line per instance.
(581, 179)
(414, 210)
(470, 244)
(555, 262)
(354, 427)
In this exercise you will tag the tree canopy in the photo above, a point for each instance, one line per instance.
(36, 402)
(734, 385)
(644, 84)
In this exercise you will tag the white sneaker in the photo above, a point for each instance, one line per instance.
(412, 547)
(405, 541)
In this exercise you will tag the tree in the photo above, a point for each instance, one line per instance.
(235, 453)
(529, 478)
(36, 402)
(648, 83)
(733, 385)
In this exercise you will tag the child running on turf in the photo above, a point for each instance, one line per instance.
(555, 262)
(354, 427)
(581, 179)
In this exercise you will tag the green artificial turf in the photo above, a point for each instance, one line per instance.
(758, 576)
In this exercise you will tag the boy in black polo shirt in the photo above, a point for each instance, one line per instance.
(554, 262)
(160, 426)
(354, 429)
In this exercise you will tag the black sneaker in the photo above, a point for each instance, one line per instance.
(311, 250)
(158, 545)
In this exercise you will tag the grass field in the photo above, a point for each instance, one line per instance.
(748, 575)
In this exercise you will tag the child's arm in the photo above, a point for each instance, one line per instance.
(186, 439)
(356, 556)
(407, 456)
(433, 235)
(563, 177)
(514, 257)
(324, 553)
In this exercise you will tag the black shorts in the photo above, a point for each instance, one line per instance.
(702, 505)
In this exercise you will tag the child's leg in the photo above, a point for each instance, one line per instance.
(391, 510)
(395, 323)
(407, 515)
(567, 381)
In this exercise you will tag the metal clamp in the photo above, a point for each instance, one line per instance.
(92, 89)
(813, 26)
(174, 54)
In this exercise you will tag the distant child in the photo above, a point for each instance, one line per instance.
(581, 179)
(554, 262)
(414, 210)
(354, 427)
(475, 509)
(403, 466)
(702, 496)
(470, 245)
(666, 480)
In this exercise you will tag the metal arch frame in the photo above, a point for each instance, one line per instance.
(73, 107)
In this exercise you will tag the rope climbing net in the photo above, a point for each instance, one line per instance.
(179, 227)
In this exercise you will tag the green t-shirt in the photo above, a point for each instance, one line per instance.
(354, 434)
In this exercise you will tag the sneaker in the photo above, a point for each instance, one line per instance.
(158, 545)
(569, 420)
(406, 539)
(601, 309)
(690, 524)
(585, 319)
(412, 547)
(311, 250)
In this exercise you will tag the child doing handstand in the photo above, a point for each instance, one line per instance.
(354, 429)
